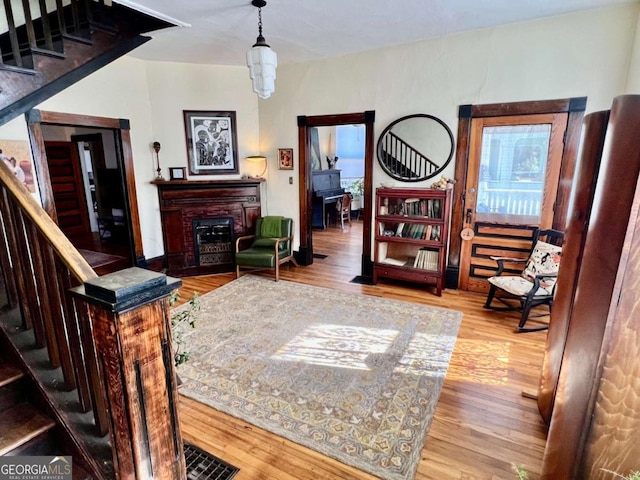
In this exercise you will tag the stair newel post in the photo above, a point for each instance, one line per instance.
(129, 312)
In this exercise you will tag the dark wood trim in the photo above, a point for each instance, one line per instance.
(73, 119)
(131, 196)
(36, 139)
(367, 259)
(37, 117)
(567, 168)
(457, 201)
(305, 251)
(524, 108)
(466, 113)
(305, 255)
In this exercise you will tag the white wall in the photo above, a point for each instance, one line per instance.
(174, 87)
(633, 79)
(583, 54)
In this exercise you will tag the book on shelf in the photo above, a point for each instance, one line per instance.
(426, 259)
(437, 208)
(427, 234)
(399, 229)
(435, 234)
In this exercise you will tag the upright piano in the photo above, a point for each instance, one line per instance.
(326, 193)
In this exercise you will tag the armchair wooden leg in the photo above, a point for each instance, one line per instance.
(237, 271)
(277, 270)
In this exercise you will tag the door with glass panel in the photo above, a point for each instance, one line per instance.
(512, 180)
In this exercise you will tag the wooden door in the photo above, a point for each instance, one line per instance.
(512, 181)
(66, 182)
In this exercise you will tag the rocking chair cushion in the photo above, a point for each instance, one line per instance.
(518, 286)
(544, 259)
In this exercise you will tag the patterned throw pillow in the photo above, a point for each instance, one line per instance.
(545, 259)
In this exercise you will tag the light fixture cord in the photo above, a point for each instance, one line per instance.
(260, 21)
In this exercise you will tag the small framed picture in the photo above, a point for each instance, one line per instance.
(285, 159)
(177, 173)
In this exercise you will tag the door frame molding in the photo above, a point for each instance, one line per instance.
(305, 253)
(121, 127)
(575, 107)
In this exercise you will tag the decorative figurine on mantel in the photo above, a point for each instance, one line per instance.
(156, 148)
(332, 163)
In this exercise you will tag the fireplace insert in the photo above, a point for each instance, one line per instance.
(213, 241)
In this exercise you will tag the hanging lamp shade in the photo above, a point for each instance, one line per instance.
(262, 61)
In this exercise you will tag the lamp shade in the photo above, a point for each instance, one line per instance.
(259, 159)
(262, 63)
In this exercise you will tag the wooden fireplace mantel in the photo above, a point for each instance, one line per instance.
(183, 201)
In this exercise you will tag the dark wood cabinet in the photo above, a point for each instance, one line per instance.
(187, 206)
(412, 228)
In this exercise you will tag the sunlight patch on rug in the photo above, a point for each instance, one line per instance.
(355, 377)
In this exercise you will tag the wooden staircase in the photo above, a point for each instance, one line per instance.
(66, 387)
(27, 429)
(46, 50)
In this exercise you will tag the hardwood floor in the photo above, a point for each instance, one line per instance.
(482, 423)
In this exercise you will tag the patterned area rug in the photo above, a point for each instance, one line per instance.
(354, 377)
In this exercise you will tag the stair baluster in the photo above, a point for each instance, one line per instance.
(46, 27)
(13, 36)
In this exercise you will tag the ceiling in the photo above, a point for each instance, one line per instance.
(221, 31)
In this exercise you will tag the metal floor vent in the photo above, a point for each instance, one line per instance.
(203, 466)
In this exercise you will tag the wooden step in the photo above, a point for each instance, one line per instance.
(20, 424)
(8, 374)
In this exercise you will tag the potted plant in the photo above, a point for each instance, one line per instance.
(357, 190)
(183, 318)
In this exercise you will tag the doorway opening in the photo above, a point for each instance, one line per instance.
(318, 152)
(85, 174)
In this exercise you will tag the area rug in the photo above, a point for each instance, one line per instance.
(354, 377)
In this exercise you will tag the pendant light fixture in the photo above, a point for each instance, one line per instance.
(261, 60)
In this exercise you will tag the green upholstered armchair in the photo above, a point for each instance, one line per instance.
(271, 246)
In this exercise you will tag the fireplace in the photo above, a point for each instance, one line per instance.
(213, 241)
(201, 219)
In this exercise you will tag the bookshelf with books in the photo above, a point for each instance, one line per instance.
(412, 227)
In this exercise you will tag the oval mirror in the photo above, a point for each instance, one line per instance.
(415, 147)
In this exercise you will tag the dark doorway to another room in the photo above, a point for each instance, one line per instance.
(89, 194)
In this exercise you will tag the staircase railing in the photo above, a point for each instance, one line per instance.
(39, 28)
(40, 266)
(404, 160)
(47, 45)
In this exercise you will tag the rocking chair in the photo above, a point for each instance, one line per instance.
(535, 285)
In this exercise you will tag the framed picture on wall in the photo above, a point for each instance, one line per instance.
(212, 143)
(285, 158)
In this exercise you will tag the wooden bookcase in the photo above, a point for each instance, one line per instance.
(411, 235)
